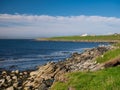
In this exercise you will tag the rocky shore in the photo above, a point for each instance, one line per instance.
(46, 75)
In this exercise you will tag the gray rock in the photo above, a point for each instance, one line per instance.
(43, 87)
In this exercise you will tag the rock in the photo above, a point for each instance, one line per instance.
(112, 63)
(10, 88)
(4, 73)
(2, 81)
(21, 74)
(20, 88)
(13, 72)
(25, 73)
(20, 82)
(15, 85)
(17, 71)
(43, 87)
(8, 78)
(14, 77)
(9, 82)
(48, 82)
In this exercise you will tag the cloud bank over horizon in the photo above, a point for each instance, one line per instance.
(33, 26)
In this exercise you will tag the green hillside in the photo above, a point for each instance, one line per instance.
(102, 38)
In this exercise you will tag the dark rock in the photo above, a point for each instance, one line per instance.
(112, 63)
(43, 86)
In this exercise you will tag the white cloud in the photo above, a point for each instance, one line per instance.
(28, 26)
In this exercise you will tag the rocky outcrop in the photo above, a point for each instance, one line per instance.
(44, 77)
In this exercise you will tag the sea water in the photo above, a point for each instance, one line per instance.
(28, 54)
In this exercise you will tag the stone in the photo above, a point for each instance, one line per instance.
(14, 77)
(20, 82)
(48, 82)
(12, 71)
(8, 78)
(4, 72)
(21, 74)
(19, 88)
(17, 71)
(42, 87)
(10, 88)
(2, 81)
(25, 73)
(12, 74)
(15, 85)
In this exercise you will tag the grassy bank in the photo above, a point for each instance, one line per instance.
(107, 79)
(109, 55)
(102, 38)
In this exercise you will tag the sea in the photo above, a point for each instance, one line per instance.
(28, 54)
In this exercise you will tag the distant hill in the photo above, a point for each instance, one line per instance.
(88, 38)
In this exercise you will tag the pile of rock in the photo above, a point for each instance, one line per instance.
(86, 61)
(13, 80)
(46, 75)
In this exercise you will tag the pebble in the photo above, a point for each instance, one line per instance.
(17, 71)
(21, 74)
(4, 72)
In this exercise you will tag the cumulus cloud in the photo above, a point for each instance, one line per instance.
(32, 26)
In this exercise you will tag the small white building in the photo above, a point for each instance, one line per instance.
(84, 34)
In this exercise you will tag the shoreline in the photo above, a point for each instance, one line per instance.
(109, 41)
(46, 75)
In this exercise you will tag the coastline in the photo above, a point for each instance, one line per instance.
(46, 75)
(109, 41)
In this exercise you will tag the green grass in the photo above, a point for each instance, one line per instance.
(109, 55)
(117, 44)
(107, 79)
(87, 38)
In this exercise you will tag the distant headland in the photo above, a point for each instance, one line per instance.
(84, 38)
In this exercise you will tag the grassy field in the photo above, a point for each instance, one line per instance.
(111, 38)
(107, 79)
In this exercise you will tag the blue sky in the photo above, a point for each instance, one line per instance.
(45, 18)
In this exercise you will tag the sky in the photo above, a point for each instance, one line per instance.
(48, 18)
